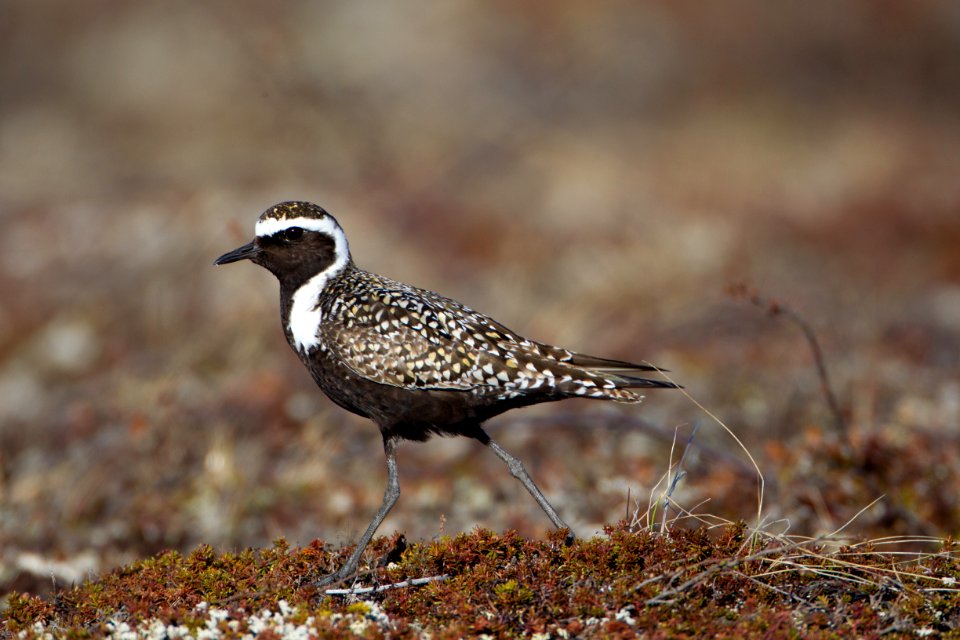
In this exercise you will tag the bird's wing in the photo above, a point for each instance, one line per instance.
(408, 337)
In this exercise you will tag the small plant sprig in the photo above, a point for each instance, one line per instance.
(774, 307)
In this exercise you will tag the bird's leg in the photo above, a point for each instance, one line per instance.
(389, 499)
(520, 473)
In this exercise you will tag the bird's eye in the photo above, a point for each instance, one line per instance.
(293, 234)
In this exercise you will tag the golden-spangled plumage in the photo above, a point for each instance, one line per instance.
(395, 334)
(411, 360)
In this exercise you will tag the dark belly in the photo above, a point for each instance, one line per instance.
(413, 414)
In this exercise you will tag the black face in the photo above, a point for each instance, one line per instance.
(293, 255)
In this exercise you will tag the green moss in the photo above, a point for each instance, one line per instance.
(361, 608)
(512, 594)
(692, 582)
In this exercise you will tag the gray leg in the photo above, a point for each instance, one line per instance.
(389, 499)
(518, 471)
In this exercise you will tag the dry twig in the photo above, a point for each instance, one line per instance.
(776, 308)
(416, 582)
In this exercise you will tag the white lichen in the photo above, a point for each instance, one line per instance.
(216, 623)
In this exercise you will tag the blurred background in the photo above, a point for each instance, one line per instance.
(594, 175)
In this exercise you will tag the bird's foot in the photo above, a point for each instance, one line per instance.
(569, 538)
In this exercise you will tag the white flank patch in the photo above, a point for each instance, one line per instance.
(305, 314)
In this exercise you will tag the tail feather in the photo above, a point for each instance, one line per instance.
(623, 374)
(636, 382)
(622, 395)
(606, 364)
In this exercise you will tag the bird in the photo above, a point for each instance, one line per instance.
(414, 362)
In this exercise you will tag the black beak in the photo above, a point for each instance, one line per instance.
(245, 252)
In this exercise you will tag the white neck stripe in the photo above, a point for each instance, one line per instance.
(305, 314)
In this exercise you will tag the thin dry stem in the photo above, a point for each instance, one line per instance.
(415, 582)
(760, 481)
(777, 308)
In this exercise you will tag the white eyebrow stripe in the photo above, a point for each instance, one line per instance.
(267, 227)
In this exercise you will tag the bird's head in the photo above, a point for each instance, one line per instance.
(295, 241)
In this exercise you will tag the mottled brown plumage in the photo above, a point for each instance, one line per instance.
(413, 361)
